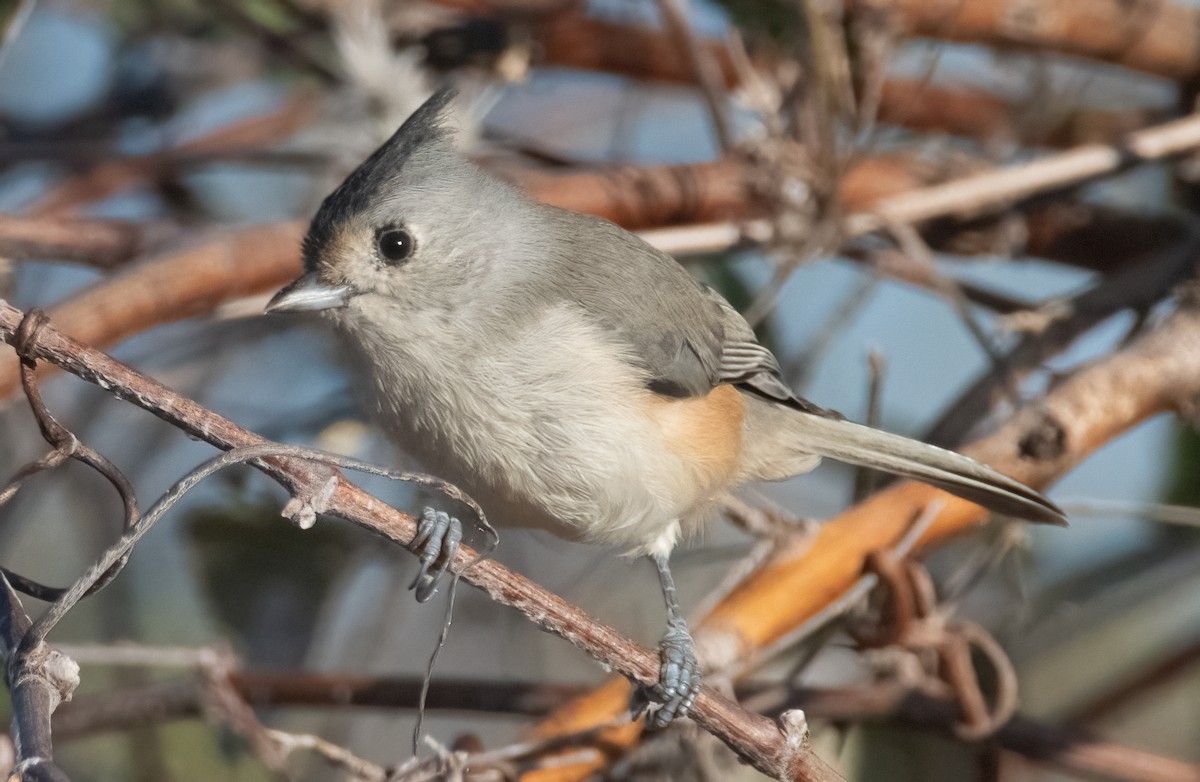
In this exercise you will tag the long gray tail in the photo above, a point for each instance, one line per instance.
(861, 445)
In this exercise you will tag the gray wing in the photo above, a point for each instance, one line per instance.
(688, 340)
(683, 334)
(746, 363)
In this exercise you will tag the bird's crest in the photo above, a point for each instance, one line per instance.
(424, 126)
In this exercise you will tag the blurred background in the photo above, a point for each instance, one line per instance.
(159, 161)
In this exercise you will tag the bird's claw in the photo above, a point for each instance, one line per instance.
(679, 677)
(436, 543)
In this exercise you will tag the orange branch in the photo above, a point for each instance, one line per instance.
(972, 113)
(1158, 37)
(191, 283)
(101, 243)
(651, 196)
(575, 41)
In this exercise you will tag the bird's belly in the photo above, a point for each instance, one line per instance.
(595, 475)
(566, 440)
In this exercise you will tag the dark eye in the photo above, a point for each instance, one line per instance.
(395, 244)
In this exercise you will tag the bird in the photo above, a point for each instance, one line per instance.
(566, 374)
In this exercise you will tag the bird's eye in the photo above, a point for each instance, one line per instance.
(395, 244)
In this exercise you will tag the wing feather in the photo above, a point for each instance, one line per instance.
(682, 334)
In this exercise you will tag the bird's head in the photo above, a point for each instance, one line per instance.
(412, 229)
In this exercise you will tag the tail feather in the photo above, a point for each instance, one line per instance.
(863, 446)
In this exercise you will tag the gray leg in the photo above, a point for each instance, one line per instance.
(438, 536)
(679, 671)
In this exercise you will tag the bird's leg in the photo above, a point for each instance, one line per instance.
(436, 542)
(679, 670)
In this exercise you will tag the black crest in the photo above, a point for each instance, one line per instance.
(424, 126)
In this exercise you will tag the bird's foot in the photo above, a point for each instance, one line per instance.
(438, 536)
(678, 676)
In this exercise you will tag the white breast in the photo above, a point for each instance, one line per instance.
(548, 428)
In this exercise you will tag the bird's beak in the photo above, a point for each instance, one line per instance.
(309, 294)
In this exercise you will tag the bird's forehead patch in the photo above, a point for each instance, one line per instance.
(330, 250)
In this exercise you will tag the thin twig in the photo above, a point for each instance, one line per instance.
(338, 756)
(866, 480)
(708, 75)
(1139, 286)
(981, 193)
(104, 244)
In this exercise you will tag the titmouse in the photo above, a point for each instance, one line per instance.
(565, 373)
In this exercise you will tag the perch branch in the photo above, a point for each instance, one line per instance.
(770, 748)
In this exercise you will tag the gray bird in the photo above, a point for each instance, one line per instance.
(565, 373)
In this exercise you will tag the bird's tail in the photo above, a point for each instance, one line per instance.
(863, 446)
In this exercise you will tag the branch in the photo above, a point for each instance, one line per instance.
(768, 747)
(1078, 233)
(574, 41)
(38, 682)
(183, 698)
(104, 244)
(1074, 751)
(1138, 287)
(1103, 705)
(257, 259)
(180, 286)
(150, 705)
(973, 113)
(989, 191)
(1159, 372)
(114, 176)
(1158, 37)
(642, 196)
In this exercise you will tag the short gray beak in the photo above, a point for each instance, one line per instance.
(308, 294)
